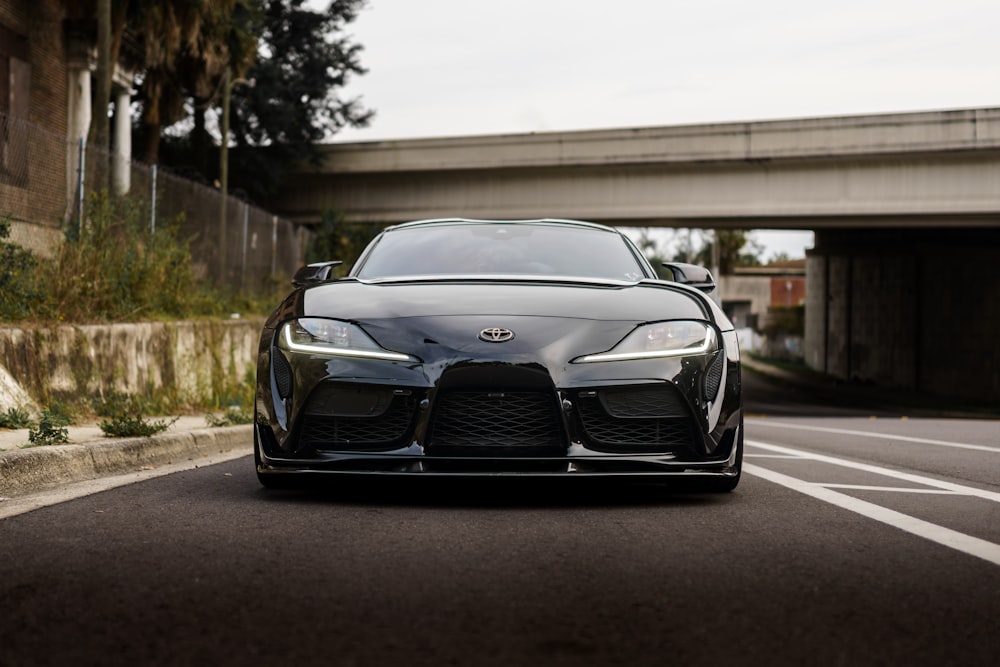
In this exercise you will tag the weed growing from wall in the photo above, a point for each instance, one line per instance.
(124, 417)
(63, 412)
(123, 425)
(15, 418)
(231, 417)
(51, 430)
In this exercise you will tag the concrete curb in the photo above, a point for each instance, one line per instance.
(24, 471)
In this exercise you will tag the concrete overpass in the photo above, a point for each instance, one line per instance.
(918, 169)
(902, 288)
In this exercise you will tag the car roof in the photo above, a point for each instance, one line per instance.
(472, 221)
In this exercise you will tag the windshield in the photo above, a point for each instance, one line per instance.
(501, 249)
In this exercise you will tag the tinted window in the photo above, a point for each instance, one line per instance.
(502, 249)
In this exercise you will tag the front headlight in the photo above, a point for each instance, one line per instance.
(315, 335)
(660, 339)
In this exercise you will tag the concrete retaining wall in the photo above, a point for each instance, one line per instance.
(193, 362)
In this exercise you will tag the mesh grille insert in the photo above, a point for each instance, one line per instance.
(643, 402)
(496, 423)
(282, 374)
(636, 420)
(713, 377)
(384, 431)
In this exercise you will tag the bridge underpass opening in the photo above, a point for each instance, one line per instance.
(903, 307)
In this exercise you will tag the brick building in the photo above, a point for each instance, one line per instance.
(47, 59)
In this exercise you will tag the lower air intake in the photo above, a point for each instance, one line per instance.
(636, 420)
(496, 423)
(356, 433)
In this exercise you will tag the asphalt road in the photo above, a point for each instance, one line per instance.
(851, 541)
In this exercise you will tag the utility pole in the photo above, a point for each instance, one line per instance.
(716, 254)
(227, 90)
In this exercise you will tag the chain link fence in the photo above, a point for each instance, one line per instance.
(45, 181)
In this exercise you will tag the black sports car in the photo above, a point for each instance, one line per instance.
(468, 347)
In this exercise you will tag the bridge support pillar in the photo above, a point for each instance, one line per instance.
(911, 308)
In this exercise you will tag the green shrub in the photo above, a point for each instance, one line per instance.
(51, 430)
(15, 418)
(62, 412)
(19, 290)
(231, 417)
(124, 416)
(124, 425)
(336, 238)
(113, 268)
(115, 402)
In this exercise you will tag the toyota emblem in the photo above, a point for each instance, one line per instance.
(496, 335)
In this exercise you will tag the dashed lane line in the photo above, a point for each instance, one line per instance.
(881, 436)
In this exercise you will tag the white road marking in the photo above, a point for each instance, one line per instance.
(770, 456)
(905, 476)
(939, 534)
(882, 436)
(891, 489)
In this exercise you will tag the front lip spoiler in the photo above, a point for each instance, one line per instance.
(400, 466)
(312, 472)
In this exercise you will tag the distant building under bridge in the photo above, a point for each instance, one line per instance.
(767, 306)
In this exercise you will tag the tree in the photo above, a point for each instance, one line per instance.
(736, 249)
(780, 257)
(336, 238)
(187, 46)
(303, 58)
(226, 48)
(651, 249)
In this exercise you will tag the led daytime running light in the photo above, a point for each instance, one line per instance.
(705, 346)
(341, 352)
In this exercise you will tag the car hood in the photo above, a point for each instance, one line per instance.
(552, 323)
(640, 302)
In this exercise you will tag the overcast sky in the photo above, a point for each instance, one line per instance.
(457, 67)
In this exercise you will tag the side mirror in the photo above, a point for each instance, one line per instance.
(314, 274)
(693, 275)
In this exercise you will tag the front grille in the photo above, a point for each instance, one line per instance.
(636, 420)
(383, 431)
(496, 423)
